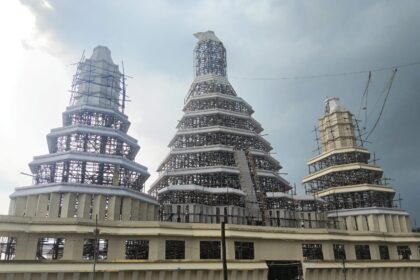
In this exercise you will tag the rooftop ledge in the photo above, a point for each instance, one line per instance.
(337, 151)
(154, 228)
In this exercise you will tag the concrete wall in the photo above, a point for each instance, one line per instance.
(375, 222)
(270, 244)
(63, 205)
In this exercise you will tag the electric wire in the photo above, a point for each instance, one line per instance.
(327, 75)
(383, 104)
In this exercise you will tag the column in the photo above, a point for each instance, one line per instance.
(151, 212)
(26, 246)
(327, 251)
(84, 206)
(20, 206)
(143, 211)
(69, 202)
(373, 223)
(42, 205)
(54, 205)
(114, 208)
(361, 223)
(116, 248)
(382, 223)
(374, 251)
(350, 223)
(31, 203)
(99, 203)
(126, 209)
(192, 249)
(73, 248)
(12, 207)
(135, 209)
(403, 223)
(350, 251)
(156, 249)
(389, 223)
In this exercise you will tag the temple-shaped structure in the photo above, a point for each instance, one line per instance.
(90, 170)
(86, 216)
(352, 186)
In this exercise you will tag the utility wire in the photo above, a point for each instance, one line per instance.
(365, 100)
(326, 75)
(383, 104)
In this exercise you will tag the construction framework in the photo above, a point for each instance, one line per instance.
(90, 169)
(343, 176)
(220, 167)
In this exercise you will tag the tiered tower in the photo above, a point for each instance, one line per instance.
(90, 170)
(352, 186)
(219, 167)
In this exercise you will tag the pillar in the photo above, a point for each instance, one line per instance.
(73, 248)
(327, 251)
(151, 212)
(126, 209)
(403, 223)
(114, 208)
(382, 223)
(135, 209)
(20, 206)
(99, 203)
(389, 223)
(54, 205)
(143, 211)
(373, 223)
(84, 206)
(26, 246)
(42, 205)
(69, 202)
(31, 203)
(12, 207)
(116, 248)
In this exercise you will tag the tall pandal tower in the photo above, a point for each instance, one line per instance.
(90, 170)
(219, 167)
(357, 198)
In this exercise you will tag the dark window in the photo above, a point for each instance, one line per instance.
(178, 212)
(187, 214)
(339, 252)
(209, 249)
(175, 249)
(383, 252)
(404, 252)
(244, 250)
(7, 248)
(50, 248)
(137, 249)
(312, 251)
(362, 252)
(100, 247)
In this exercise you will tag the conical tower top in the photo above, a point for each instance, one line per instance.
(98, 81)
(332, 104)
(209, 55)
(336, 127)
(102, 53)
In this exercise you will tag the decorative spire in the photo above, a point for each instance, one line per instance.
(98, 81)
(332, 104)
(209, 55)
(102, 53)
(90, 170)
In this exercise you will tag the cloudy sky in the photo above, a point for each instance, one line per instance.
(265, 41)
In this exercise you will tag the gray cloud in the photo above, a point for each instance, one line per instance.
(263, 39)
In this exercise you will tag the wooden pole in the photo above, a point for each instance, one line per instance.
(225, 274)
